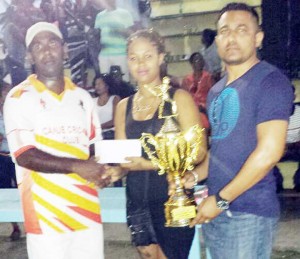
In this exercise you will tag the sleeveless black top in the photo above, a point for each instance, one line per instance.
(145, 188)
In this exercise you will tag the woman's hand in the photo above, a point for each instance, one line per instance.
(188, 182)
(137, 164)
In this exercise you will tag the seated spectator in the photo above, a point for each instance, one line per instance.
(198, 84)
(11, 73)
(106, 104)
(121, 88)
(210, 54)
(7, 167)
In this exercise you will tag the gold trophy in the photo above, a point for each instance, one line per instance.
(174, 152)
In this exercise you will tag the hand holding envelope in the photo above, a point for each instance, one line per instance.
(116, 151)
(123, 155)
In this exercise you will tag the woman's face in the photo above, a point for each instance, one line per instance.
(100, 86)
(144, 61)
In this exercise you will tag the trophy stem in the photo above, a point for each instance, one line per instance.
(179, 209)
(178, 185)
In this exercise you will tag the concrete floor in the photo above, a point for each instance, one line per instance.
(117, 244)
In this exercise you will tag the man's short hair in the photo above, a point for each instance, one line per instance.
(240, 7)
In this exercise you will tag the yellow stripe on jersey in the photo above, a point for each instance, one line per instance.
(72, 197)
(66, 219)
(77, 152)
(81, 180)
(49, 223)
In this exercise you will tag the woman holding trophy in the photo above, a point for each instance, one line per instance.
(147, 111)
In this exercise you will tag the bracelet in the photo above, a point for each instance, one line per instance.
(196, 177)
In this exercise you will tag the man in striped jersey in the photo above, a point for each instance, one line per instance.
(50, 124)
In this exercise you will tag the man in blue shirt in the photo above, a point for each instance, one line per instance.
(248, 110)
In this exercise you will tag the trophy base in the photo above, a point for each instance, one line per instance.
(179, 211)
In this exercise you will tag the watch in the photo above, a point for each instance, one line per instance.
(222, 204)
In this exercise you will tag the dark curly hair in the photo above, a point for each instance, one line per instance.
(151, 35)
(107, 81)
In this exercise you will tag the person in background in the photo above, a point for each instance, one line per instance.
(20, 15)
(115, 24)
(50, 123)
(120, 87)
(75, 32)
(106, 104)
(7, 168)
(198, 84)
(174, 81)
(140, 11)
(210, 54)
(50, 10)
(292, 150)
(146, 190)
(248, 110)
(12, 72)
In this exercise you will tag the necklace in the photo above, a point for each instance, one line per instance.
(144, 111)
(137, 106)
(156, 91)
(161, 96)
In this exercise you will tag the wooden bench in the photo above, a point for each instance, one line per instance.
(112, 202)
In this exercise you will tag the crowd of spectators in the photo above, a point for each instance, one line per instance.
(76, 19)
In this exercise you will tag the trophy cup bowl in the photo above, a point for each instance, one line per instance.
(174, 153)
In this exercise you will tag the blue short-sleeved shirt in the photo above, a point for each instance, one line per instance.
(262, 94)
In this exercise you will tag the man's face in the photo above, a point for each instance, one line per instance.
(116, 77)
(238, 37)
(46, 52)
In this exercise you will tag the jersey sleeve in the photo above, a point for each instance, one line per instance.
(96, 131)
(18, 124)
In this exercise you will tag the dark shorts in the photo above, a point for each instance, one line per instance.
(174, 241)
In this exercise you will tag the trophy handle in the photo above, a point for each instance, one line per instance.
(146, 139)
(193, 137)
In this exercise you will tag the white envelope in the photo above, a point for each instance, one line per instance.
(115, 151)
